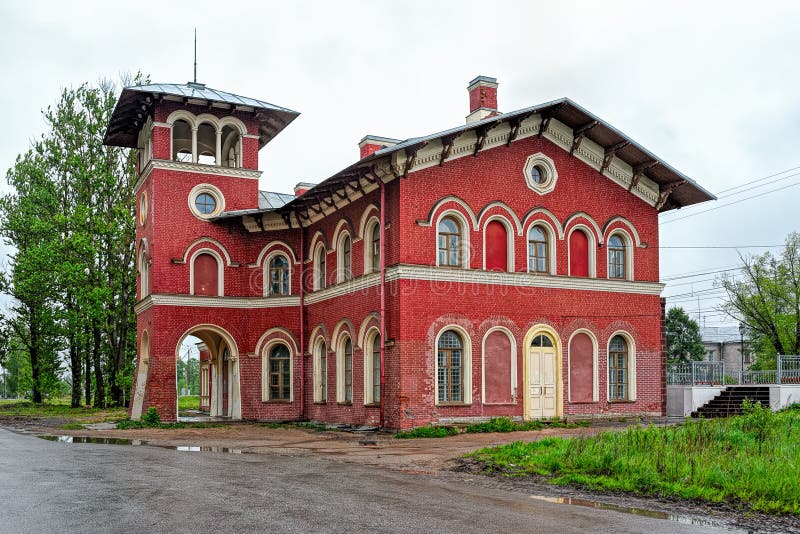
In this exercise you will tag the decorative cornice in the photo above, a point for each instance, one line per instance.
(199, 168)
(435, 274)
(215, 302)
(408, 272)
(356, 284)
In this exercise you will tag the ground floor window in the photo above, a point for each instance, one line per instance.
(279, 373)
(618, 369)
(449, 378)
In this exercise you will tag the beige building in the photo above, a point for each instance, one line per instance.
(724, 343)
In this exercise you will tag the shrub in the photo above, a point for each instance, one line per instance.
(151, 418)
(427, 432)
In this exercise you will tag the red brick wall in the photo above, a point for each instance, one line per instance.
(416, 311)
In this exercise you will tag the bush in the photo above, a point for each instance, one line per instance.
(151, 418)
(428, 432)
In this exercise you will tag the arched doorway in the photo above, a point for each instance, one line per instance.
(543, 383)
(192, 354)
(220, 363)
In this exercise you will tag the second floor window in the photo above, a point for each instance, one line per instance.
(616, 257)
(537, 251)
(449, 242)
(279, 276)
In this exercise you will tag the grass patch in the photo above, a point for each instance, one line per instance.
(496, 424)
(189, 402)
(59, 408)
(71, 426)
(427, 432)
(751, 458)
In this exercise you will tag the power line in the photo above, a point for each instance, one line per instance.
(756, 180)
(702, 272)
(731, 203)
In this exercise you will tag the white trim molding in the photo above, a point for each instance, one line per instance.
(197, 301)
(631, 345)
(547, 171)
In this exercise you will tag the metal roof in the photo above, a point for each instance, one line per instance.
(270, 200)
(136, 103)
(683, 191)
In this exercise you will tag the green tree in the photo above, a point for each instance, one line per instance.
(684, 343)
(76, 219)
(766, 298)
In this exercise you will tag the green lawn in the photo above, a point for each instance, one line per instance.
(753, 459)
(59, 408)
(189, 402)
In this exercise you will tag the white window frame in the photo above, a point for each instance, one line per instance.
(320, 346)
(369, 383)
(631, 366)
(265, 352)
(466, 366)
(341, 370)
(465, 242)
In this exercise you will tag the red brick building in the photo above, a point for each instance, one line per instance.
(508, 266)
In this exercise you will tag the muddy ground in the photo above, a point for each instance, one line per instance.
(440, 458)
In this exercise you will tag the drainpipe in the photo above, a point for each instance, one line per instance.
(383, 298)
(302, 324)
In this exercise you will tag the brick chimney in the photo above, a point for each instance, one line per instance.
(302, 187)
(482, 98)
(372, 143)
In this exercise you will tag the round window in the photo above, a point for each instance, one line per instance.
(143, 209)
(537, 175)
(205, 203)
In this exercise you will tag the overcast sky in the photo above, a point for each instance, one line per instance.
(711, 87)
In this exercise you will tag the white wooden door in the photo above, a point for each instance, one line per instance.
(542, 381)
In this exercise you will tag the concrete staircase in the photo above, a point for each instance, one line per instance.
(729, 401)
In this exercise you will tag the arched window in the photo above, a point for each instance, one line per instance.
(231, 147)
(578, 254)
(280, 373)
(345, 371)
(345, 259)
(538, 255)
(372, 367)
(207, 144)
(618, 367)
(320, 269)
(373, 254)
(496, 246)
(205, 275)
(279, 275)
(450, 246)
(616, 257)
(181, 141)
(144, 276)
(321, 372)
(450, 373)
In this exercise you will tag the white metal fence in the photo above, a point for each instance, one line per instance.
(714, 374)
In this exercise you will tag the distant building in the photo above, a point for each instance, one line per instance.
(724, 343)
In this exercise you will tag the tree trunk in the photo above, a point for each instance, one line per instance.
(75, 369)
(99, 386)
(33, 352)
(87, 376)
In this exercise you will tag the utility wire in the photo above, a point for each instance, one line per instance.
(731, 203)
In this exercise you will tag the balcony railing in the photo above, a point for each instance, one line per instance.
(715, 374)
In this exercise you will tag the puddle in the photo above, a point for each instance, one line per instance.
(195, 448)
(124, 441)
(101, 441)
(685, 519)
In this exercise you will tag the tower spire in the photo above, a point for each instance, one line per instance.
(195, 55)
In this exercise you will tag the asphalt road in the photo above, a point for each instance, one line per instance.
(59, 487)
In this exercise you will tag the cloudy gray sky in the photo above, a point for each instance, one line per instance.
(711, 87)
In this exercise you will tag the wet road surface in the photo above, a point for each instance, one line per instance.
(48, 486)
